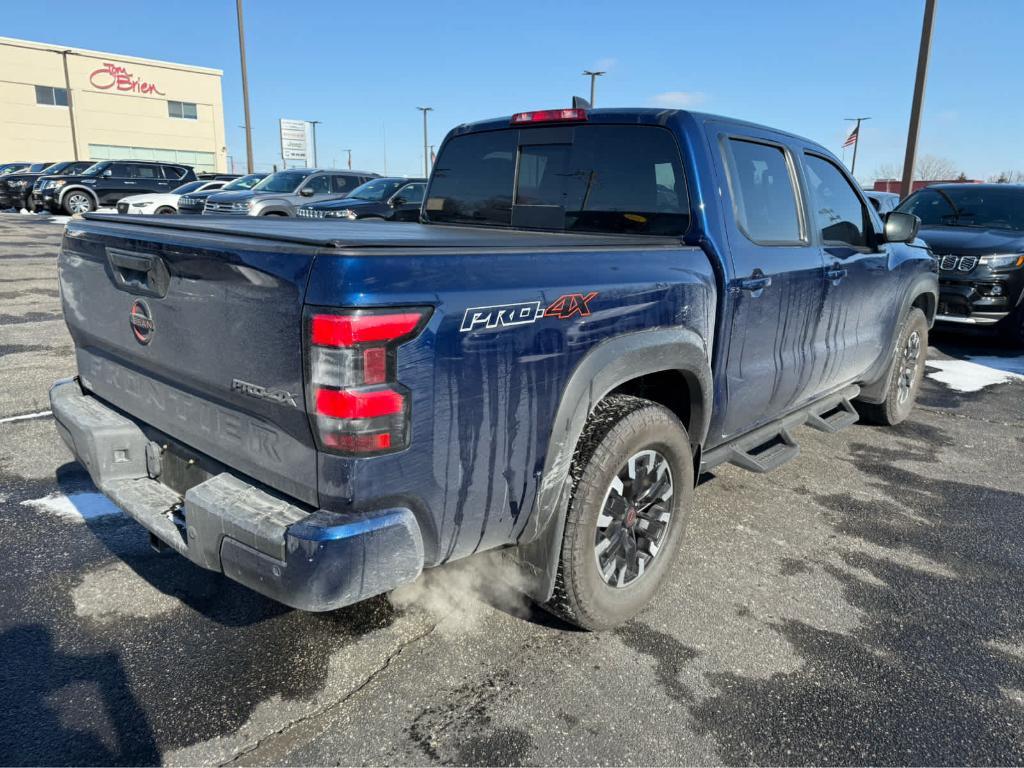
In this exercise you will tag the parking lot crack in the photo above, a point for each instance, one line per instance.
(297, 722)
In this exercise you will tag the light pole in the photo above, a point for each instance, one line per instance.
(856, 143)
(426, 157)
(245, 87)
(349, 158)
(915, 107)
(593, 75)
(314, 123)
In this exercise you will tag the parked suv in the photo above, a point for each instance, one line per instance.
(977, 233)
(106, 182)
(55, 171)
(281, 193)
(391, 199)
(194, 202)
(15, 187)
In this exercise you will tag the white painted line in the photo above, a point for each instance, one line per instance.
(76, 507)
(26, 417)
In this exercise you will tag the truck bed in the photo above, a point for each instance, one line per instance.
(378, 235)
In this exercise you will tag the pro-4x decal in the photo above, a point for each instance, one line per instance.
(566, 306)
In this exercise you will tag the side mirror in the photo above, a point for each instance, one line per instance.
(108, 173)
(306, 191)
(901, 227)
(397, 201)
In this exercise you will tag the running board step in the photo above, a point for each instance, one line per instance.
(838, 416)
(766, 455)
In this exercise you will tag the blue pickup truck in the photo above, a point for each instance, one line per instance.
(595, 306)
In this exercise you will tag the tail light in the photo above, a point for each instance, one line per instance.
(550, 116)
(354, 399)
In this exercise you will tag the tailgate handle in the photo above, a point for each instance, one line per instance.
(142, 273)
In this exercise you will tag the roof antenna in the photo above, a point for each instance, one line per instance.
(578, 102)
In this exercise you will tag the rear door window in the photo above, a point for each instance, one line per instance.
(145, 172)
(343, 183)
(764, 197)
(586, 178)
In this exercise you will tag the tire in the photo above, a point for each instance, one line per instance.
(165, 210)
(1013, 328)
(905, 374)
(76, 201)
(622, 430)
(273, 213)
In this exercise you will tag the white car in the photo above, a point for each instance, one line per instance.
(164, 202)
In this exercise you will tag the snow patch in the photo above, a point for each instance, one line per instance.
(76, 507)
(975, 373)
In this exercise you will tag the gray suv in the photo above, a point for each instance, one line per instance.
(281, 193)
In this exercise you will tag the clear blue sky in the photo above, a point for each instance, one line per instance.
(361, 66)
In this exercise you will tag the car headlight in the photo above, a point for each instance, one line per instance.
(22, 184)
(344, 213)
(141, 205)
(242, 205)
(53, 183)
(1001, 261)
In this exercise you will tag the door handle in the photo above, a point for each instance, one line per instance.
(835, 274)
(754, 284)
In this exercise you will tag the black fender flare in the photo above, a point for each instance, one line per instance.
(926, 284)
(607, 366)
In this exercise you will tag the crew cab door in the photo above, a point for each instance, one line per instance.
(405, 203)
(860, 302)
(773, 302)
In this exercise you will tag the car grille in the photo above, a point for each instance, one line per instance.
(310, 213)
(223, 208)
(122, 207)
(951, 263)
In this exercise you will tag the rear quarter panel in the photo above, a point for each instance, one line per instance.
(484, 399)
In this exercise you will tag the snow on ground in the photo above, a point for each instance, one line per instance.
(977, 372)
(76, 506)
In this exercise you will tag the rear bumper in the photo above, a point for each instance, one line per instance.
(315, 561)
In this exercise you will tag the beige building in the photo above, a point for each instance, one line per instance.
(59, 103)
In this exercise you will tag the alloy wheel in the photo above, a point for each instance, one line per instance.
(909, 363)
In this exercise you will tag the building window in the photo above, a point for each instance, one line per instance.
(54, 97)
(183, 109)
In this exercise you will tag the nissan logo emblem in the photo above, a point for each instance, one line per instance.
(142, 323)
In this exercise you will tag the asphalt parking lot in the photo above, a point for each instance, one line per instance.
(861, 605)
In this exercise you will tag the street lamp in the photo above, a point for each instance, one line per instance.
(593, 75)
(426, 156)
(349, 158)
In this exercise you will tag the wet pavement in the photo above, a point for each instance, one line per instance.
(859, 605)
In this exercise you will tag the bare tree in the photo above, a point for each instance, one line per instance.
(1008, 177)
(927, 168)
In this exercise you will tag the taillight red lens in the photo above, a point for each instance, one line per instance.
(358, 404)
(550, 116)
(355, 401)
(347, 330)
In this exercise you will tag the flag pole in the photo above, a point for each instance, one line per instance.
(856, 143)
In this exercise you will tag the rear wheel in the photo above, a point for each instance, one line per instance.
(905, 374)
(78, 202)
(632, 492)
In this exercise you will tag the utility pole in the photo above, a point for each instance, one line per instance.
(915, 109)
(349, 158)
(71, 104)
(426, 157)
(314, 123)
(593, 75)
(245, 87)
(384, 142)
(858, 120)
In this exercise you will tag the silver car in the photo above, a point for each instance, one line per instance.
(281, 193)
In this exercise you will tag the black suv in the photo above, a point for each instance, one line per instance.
(393, 199)
(976, 231)
(106, 182)
(16, 185)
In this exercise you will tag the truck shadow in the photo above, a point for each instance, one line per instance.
(934, 674)
(38, 724)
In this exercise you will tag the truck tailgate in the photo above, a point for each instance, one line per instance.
(198, 336)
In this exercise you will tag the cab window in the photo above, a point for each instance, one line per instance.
(838, 212)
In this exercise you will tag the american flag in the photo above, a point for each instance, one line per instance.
(852, 138)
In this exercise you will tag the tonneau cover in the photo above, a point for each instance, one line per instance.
(357, 234)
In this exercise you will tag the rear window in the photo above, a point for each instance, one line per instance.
(587, 178)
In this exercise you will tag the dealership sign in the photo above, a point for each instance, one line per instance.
(296, 140)
(111, 76)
